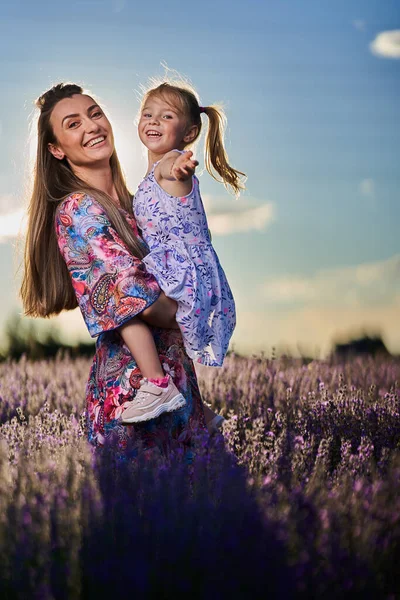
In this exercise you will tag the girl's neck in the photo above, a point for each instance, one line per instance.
(152, 158)
(99, 178)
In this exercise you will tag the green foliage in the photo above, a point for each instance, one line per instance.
(25, 337)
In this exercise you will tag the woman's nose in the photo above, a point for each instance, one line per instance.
(91, 126)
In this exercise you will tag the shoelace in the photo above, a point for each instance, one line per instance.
(145, 395)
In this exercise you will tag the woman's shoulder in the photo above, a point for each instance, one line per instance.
(80, 204)
(75, 201)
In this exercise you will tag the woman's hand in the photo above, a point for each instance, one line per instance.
(161, 313)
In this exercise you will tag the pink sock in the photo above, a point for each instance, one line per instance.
(160, 381)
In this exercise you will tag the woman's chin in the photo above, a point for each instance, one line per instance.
(99, 154)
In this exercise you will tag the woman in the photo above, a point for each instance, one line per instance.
(83, 248)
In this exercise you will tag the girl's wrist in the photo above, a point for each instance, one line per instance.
(170, 171)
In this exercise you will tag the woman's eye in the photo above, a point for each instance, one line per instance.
(72, 124)
(97, 114)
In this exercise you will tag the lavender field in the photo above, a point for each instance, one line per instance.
(298, 499)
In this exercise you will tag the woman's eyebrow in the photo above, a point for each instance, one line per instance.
(92, 107)
(77, 114)
(69, 116)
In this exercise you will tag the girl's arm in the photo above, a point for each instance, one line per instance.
(174, 173)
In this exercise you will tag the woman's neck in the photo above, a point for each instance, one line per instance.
(99, 178)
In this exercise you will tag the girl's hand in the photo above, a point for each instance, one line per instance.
(183, 167)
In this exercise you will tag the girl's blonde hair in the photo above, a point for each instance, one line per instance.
(46, 285)
(185, 100)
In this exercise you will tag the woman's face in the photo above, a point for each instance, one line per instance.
(83, 133)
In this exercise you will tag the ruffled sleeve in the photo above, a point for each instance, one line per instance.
(110, 284)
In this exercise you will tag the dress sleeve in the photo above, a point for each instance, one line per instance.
(111, 285)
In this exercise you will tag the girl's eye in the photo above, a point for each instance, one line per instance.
(147, 115)
(167, 116)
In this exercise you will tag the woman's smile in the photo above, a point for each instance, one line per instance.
(97, 141)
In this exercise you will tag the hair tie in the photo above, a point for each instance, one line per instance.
(202, 109)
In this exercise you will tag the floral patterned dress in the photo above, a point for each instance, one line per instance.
(187, 268)
(111, 287)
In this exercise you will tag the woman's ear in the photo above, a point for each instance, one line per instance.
(55, 151)
(191, 134)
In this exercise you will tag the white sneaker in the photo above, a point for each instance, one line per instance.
(151, 401)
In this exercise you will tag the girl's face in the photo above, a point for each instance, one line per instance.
(162, 128)
(83, 133)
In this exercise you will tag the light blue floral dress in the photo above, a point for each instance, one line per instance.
(186, 267)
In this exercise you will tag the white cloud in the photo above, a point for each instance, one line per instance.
(226, 215)
(368, 284)
(367, 187)
(312, 330)
(288, 289)
(7, 204)
(359, 24)
(387, 44)
(241, 221)
(12, 220)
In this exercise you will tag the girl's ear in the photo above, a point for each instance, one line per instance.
(55, 151)
(191, 134)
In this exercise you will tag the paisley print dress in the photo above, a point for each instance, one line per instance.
(111, 287)
(186, 267)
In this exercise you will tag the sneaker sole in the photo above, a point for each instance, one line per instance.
(175, 403)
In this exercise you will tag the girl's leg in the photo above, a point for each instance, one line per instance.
(157, 393)
(137, 336)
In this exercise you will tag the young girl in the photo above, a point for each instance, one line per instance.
(169, 211)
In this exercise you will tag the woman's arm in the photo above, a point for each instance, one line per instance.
(161, 313)
(110, 284)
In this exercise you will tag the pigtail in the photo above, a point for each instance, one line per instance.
(216, 158)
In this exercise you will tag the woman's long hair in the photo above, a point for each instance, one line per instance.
(46, 286)
(184, 99)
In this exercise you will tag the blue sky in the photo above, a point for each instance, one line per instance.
(311, 93)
